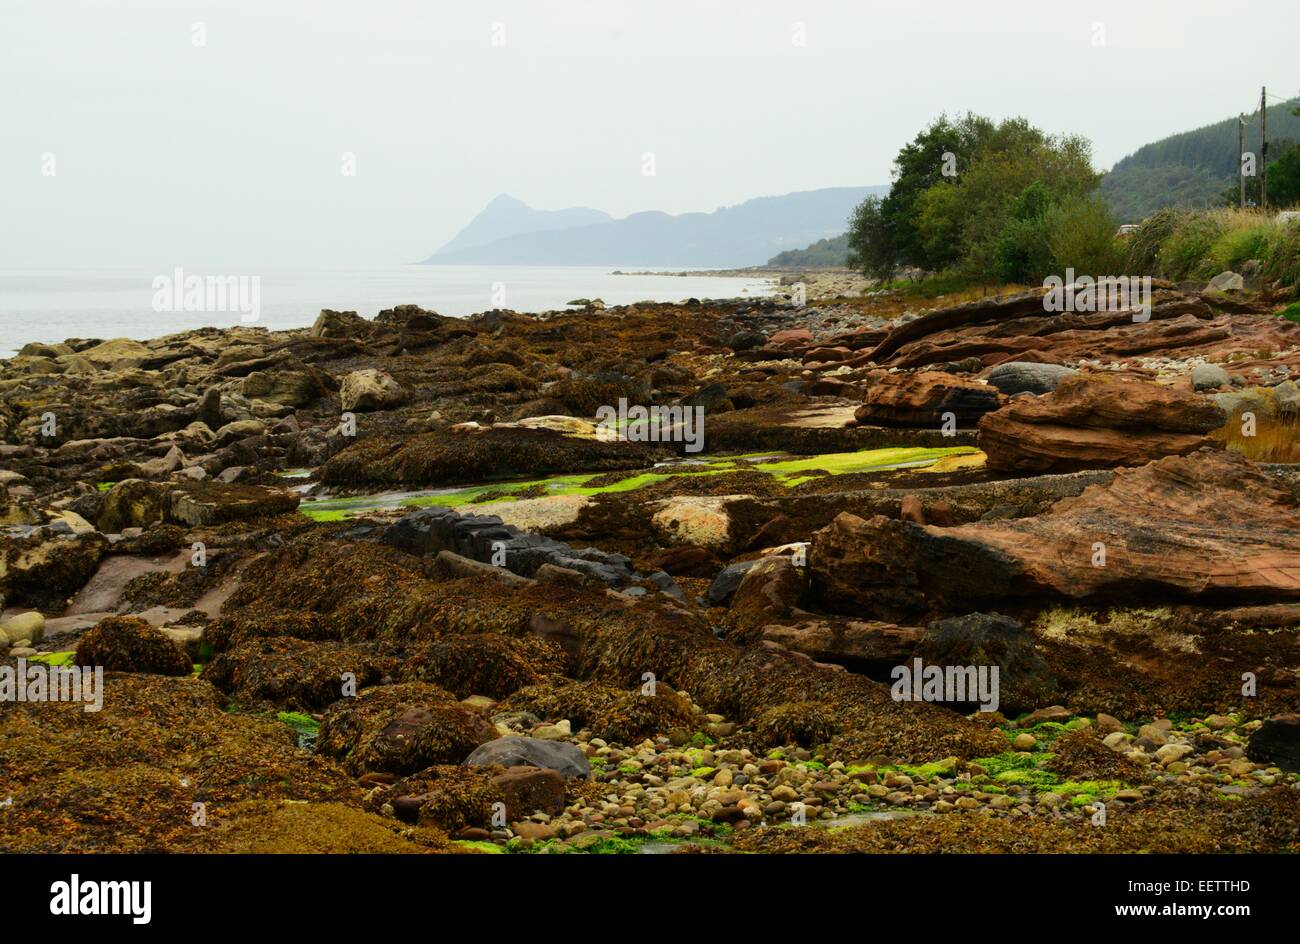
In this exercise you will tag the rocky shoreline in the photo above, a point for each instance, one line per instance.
(390, 585)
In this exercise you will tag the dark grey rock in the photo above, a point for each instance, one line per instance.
(560, 756)
(1026, 377)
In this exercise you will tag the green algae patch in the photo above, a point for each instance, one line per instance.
(789, 471)
(478, 845)
(54, 658)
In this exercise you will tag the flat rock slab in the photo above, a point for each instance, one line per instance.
(1209, 526)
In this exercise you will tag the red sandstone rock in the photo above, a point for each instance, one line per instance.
(922, 399)
(1096, 421)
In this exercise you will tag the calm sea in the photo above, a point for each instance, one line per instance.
(51, 305)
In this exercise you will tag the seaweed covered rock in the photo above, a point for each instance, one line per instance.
(129, 644)
(483, 664)
(229, 631)
(294, 673)
(401, 729)
(135, 503)
(625, 717)
(449, 796)
(125, 778)
(988, 640)
(43, 569)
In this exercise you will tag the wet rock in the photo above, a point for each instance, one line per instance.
(28, 626)
(727, 582)
(487, 664)
(990, 639)
(562, 757)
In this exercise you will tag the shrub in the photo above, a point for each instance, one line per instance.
(1081, 235)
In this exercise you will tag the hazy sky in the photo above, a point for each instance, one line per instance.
(230, 152)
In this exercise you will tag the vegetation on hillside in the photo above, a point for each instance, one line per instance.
(1190, 244)
(1193, 169)
(825, 253)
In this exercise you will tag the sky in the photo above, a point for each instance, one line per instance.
(294, 134)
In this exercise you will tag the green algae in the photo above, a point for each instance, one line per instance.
(54, 658)
(788, 470)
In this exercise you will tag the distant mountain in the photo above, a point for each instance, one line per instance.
(742, 235)
(1193, 168)
(825, 253)
(509, 216)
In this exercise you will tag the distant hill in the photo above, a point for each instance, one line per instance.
(1192, 168)
(825, 253)
(743, 235)
(508, 216)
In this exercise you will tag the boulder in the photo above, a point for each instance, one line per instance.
(1228, 281)
(561, 756)
(923, 399)
(370, 389)
(1012, 377)
(1092, 422)
(727, 582)
(401, 729)
(284, 386)
(29, 626)
(339, 324)
(990, 639)
(129, 644)
(1209, 377)
(527, 790)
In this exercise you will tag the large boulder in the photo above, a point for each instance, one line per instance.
(1092, 422)
(293, 673)
(564, 758)
(1209, 526)
(924, 399)
(370, 389)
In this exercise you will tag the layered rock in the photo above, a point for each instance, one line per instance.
(925, 399)
(1208, 526)
(1096, 421)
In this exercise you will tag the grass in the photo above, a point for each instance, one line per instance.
(1276, 439)
(790, 471)
(54, 658)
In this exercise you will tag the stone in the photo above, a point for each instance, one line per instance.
(28, 626)
(370, 389)
(561, 756)
(1209, 377)
(1107, 724)
(1227, 281)
(1056, 713)
(1024, 741)
(1170, 753)
(727, 583)
(1012, 377)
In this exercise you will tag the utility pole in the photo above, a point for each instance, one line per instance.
(1241, 156)
(1263, 147)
